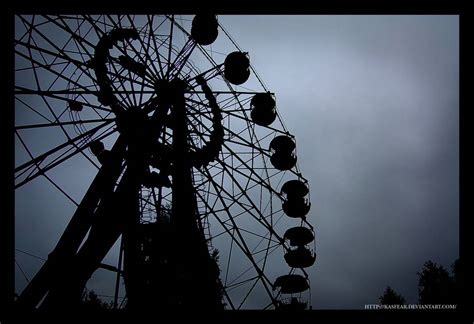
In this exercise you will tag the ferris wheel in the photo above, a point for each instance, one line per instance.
(165, 148)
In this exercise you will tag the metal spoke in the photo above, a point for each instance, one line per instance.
(63, 123)
(229, 180)
(59, 147)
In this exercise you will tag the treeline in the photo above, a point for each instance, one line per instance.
(436, 286)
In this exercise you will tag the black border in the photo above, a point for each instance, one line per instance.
(432, 7)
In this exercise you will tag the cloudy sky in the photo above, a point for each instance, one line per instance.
(373, 103)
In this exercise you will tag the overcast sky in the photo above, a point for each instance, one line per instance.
(373, 103)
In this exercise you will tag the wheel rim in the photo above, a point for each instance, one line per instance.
(238, 194)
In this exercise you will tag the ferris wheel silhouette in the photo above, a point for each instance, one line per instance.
(193, 173)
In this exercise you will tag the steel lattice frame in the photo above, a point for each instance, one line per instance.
(238, 194)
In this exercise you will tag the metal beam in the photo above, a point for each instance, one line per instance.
(74, 233)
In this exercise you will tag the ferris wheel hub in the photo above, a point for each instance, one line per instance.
(133, 123)
(195, 158)
(168, 90)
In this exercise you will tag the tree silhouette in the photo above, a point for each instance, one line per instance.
(436, 285)
(214, 268)
(92, 304)
(459, 281)
(390, 297)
